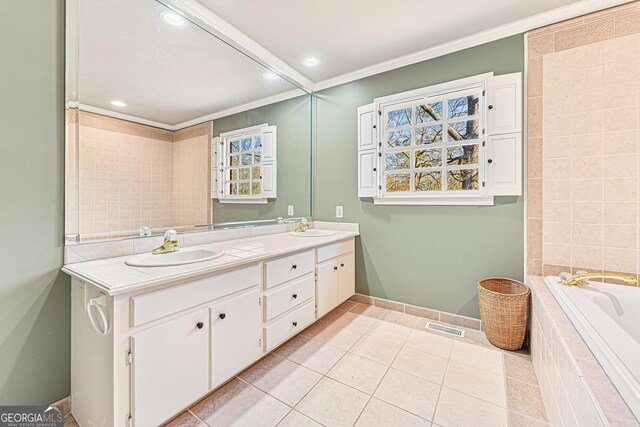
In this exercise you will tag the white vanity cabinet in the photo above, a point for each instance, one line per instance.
(235, 335)
(335, 275)
(170, 365)
(172, 343)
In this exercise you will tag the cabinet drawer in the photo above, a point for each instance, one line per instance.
(283, 298)
(290, 324)
(284, 269)
(154, 305)
(335, 250)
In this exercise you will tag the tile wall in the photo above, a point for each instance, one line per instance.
(132, 175)
(583, 163)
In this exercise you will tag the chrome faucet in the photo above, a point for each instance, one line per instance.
(170, 244)
(581, 277)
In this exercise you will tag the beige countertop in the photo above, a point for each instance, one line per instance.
(114, 277)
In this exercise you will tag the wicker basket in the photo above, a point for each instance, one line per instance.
(504, 310)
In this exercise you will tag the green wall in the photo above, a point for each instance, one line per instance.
(431, 256)
(293, 118)
(34, 293)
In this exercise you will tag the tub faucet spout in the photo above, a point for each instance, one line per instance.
(581, 277)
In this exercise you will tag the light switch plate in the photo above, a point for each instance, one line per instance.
(290, 210)
(339, 212)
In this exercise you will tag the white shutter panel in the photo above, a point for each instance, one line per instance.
(504, 100)
(366, 130)
(367, 152)
(269, 180)
(269, 143)
(504, 165)
(269, 161)
(367, 173)
(215, 167)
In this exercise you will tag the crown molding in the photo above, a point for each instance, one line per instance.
(122, 116)
(517, 27)
(244, 107)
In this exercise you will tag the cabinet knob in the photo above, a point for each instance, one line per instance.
(490, 107)
(294, 266)
(295, 323)
(341, 265)
(199, 325)
(294, 296)
(335, 268)
(222, 316)
(490, 161)
(375, 169)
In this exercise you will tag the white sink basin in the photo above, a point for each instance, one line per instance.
(184, 256)
(313, 233)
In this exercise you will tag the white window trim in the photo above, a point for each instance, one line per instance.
(238, 199)
(471, 197)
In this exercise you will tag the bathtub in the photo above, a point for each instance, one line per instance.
(608, 319)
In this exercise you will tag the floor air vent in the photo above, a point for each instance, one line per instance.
(445, 329)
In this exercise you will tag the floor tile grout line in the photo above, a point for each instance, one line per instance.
(382, 379)
(196, 417)
(435, 407)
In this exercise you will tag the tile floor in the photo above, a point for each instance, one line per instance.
(367, 366)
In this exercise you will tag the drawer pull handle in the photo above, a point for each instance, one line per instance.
(294, 266)
(294, 296)
(199, 325)
(295, 323)
(222, 316)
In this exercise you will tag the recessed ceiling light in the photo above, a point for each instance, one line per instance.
(270, 76)
(118, 103)
(173, 18)
(310, 61)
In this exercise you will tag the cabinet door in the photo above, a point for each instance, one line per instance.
(170, 367)
(367, 173)
(235, 335)
(327, 286)
(505, 104)
(366, 129)
(346, 277)
(504, 172)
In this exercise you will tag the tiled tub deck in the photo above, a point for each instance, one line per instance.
(575, 389)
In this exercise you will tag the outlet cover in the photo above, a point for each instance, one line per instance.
(290, 210)
(339, 212)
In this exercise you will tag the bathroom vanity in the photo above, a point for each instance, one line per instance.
(149, 342)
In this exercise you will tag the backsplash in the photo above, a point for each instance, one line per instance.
(132, 175)
(115, 248)
(583, 143)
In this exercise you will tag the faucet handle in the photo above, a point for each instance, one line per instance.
(171, 235)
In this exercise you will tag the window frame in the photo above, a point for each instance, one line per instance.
(441, 92)
(225, 165)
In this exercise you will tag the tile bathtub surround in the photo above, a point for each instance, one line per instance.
(130, 175)
(583, 162)
(355, 368)
(575, 389)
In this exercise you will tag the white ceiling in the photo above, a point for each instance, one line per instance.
(348, 35)
(165, 74)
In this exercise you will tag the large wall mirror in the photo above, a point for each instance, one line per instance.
(169, 126)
